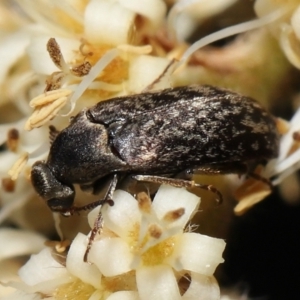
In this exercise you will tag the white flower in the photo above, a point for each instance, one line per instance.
(15, 243)
(150, 239)
(287, 29)
(15, 194)
(80, 68)
(185, 16)
(101, 61)
(142, 252)
(19, 242)
(253, 191)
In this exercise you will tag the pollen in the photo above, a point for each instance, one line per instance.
(45, 113)
(174, 215)
(144, 202)
(159, 253)
(74, 290)
(49, 97)
(124, 282)
(116, 72)
(18, 166)
(155, 231)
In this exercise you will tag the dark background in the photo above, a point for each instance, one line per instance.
(262, 256)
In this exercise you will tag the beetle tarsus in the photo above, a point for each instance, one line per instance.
(98, 224)
(89, 206)
(262, 179)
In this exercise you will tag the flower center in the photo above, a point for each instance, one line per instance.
(123, 282)
(74, 290)
(157, 254)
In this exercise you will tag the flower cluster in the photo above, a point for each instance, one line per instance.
(144, 251)
(90, 59)
(61, 56)
(287, 28)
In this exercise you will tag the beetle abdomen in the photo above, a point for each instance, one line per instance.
(204, 125)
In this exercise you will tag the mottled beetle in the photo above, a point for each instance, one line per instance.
(152, 137)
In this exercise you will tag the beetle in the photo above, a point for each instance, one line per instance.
(152, 137)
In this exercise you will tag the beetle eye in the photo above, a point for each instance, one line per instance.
(61, 205)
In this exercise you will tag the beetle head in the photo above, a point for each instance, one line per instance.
(58, 195)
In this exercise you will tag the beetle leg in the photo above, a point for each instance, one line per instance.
(232, 168)
(177, 182)
(97, 186)
(262, 179)
(99, 220)
(98, 224)
(218, 169)
(107, 198)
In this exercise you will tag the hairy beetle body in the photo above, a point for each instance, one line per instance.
(167, 132)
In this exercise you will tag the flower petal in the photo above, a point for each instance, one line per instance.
(20, 295)
(264, 7)
(295, 21)
(290, 44)
(124, 295)
(12, 48)
(121, 217)
(144, 70)
(19, 242)
(108, 22)
(40, 60)
(154, 10)
(112, 256)
(185, 16)
(157, 282)
(198, 253)
(76, 266)
(202, 287)
(42, 267)
(169, 198)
